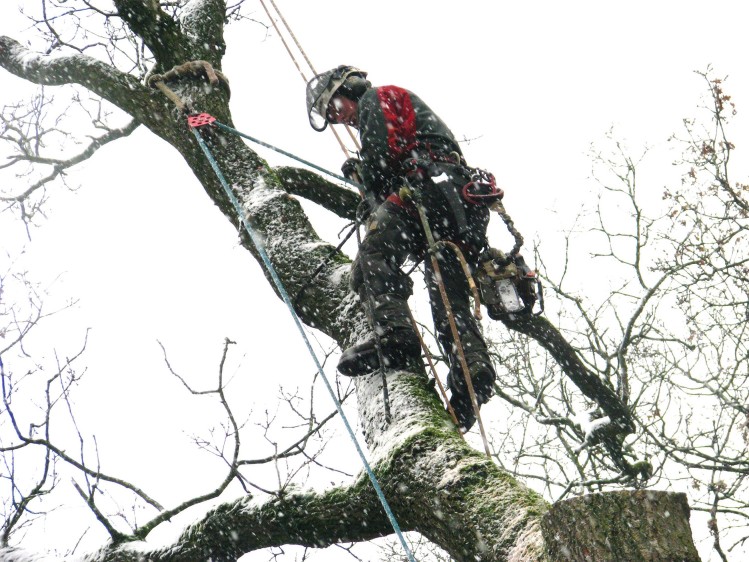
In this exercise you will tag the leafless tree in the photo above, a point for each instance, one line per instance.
(618, 344)
(669, 334)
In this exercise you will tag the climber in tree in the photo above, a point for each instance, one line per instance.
(404, 142)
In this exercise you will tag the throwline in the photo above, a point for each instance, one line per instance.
(197, 121)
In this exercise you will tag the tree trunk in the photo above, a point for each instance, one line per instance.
(644, 525)
(435, 483)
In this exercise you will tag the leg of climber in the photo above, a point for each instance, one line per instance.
(474, 347)
(377, 278)
(466, 227)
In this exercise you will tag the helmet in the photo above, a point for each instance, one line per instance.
(322, 88)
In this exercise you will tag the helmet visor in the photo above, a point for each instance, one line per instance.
(318, 98)
(321, 89)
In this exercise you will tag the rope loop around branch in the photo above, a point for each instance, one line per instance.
(192, 69)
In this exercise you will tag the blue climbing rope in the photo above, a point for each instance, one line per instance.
(289, 154)
(259, 246)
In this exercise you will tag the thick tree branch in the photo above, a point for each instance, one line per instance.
(104, 80)
(346, 514)
(158, 30)
(200, 34)
(290, 240)
(434, 482)
(313, 187)
(204, 19)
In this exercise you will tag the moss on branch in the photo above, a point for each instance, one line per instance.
(315, 188)
(346, 514)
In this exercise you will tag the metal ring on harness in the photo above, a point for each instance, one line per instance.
(485, 187)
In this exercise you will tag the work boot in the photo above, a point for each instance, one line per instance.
(482, 378)
(400, 350)
(399, 344)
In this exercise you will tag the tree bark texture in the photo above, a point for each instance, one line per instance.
(644, 525)
(435, 483)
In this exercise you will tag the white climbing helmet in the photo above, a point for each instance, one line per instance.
(322, 88)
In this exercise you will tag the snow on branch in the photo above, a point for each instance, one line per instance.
(60, 166)
(314, 519)
(304, 183)
(158, 30)
(102, 79)
(203, 23)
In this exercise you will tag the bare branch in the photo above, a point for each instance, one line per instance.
(59, 167)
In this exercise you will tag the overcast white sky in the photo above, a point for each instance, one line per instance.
(531, 83)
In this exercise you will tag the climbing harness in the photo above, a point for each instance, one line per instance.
(196, 124)
(507, 285)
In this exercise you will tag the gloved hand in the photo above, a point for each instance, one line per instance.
(364, 210)
(351, 170)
